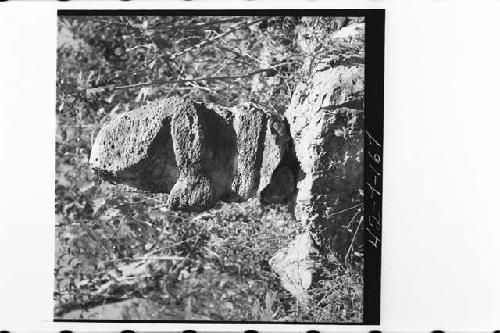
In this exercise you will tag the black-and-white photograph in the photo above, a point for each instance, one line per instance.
(212, 167)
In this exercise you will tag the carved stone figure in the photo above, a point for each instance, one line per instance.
(198, 154)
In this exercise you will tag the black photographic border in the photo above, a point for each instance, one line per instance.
(373, 158)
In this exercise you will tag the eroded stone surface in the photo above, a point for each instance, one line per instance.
(251, 129)
(326, 117)
(198, 154)
(262, 141)
(326, 123)
(327, 128)
(136, 148)
(204, 146)
(295, 265)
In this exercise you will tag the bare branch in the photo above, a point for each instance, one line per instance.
(193, 26)
(166, 81)
(350, 249)
(345, 210)
(213, 39)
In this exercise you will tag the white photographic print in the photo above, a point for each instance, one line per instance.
(218, 167)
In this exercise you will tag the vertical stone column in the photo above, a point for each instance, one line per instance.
(326, 125)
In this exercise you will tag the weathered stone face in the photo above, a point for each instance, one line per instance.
(198, 154)
(295, 265)
(326, 117)
(136, 149)
(326, 123)
(204, 146)
(261, 145)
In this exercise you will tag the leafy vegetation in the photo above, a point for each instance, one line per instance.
(113, 244)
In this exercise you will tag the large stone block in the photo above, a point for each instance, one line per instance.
(136, 148)
(204, 146)
(296, 265)
(326, 124)
(326, 118)
(262, 142)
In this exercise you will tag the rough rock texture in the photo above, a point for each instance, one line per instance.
(136, 149)
(262, 141)
(251, 129)
(326, 124)
(327, 128)
(204, 146)
(295, 265)
(198, 154)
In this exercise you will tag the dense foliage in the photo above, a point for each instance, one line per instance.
(113, 244)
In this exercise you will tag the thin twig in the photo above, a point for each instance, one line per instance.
(348, 226)
(345, 210)
(352, 240)
(166, 81)
(241, 53)
(208, 79)
(157, 207)
(197, 86)
(147, 258)
(213, 39)
(194, 25)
